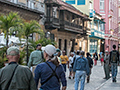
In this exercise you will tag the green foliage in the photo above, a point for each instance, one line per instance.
(13, 23)
(22, 56)
(9, 22)
(44, 41)
(30, 28)
(1, 62)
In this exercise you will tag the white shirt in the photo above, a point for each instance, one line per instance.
(70, 61)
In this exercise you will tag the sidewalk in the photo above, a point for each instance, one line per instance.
(109, 85)
(97, 82)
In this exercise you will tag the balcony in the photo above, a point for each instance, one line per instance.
(27, 4)
(97, 34)
(72, 27)
(52, 23)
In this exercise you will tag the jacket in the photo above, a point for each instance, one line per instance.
(43, 72)
(90, 62)
(81, 63)
(22, 79)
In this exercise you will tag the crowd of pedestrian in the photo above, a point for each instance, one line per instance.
(47, 68)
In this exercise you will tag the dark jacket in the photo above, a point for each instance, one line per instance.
(22, 79)
(95, 56)
(43, 72)
(90, 62)
(111, 56)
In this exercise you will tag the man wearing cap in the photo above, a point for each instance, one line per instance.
(14, 76)
(58, 54)
(36, 57)
(106, 65)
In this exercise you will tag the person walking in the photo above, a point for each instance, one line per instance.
(76, 55)
(90, 62)
(58, 54)
(114, 60)
(70, 65)
(50, 72)
(102, 59)
(95, 57)
(36, 57)
(81, 68)
(106, 65)
(64, 60)
(15, 76)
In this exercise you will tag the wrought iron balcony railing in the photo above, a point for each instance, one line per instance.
(72, 25)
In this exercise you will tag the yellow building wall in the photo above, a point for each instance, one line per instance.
(83, 8)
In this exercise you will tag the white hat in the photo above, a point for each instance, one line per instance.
(42, 48)
(72, 53)
(106, 51)
(50, 50)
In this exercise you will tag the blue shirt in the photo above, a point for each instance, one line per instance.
(81, 63)
(43, 71)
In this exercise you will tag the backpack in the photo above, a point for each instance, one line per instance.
(53, 74)
(72, 64)
(114, 56)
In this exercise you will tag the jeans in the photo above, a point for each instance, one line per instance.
(41, 89)
(80, 75)
(64, 66)
(114, 70)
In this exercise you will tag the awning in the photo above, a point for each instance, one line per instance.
(92, 36)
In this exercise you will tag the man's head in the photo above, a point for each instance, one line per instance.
(63, 52)
(82, 53)
(88, 54)
(114, 46)
(72, 54)
(106, 52)
(78, 52)
(38, 47)
(58, 51)
(13, 53)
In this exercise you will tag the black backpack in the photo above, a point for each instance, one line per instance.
(114, 57)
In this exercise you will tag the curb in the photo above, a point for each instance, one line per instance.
(102, 84)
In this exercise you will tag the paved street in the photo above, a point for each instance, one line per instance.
(97, 82)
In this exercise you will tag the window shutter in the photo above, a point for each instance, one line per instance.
(70, 1)
(81, 2)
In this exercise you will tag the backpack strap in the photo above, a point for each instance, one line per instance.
(7, 87)
(53, 74)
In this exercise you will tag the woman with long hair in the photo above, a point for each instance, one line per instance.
(50, 72)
